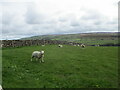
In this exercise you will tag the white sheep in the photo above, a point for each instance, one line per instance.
(83, 45)
(38, 55)
(74, 45)
(60, 45)
(1, 45)
(98, 45)
(42, 45)
(1, 87)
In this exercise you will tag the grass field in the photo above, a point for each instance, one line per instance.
(67, 67)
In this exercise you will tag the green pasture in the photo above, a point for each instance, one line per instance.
(91, 41)
(67, 67)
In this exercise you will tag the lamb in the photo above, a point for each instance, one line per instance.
(38, 55)
(82, 45)
(60, 45)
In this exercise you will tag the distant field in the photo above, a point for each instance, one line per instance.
(86, 38)
(68, 67)
(91, 41)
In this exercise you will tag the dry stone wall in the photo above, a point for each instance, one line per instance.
(20, 43)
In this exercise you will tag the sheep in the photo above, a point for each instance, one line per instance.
(42, 45)
(1, 45)
(98, 45)
(1, 87)
(60, 45)
(74, 45)
(82, 45)
(38, 55)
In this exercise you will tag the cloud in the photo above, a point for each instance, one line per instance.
(33, 17)
(30, 19)
(75, 23)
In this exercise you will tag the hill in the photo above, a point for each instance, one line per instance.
(87, 38)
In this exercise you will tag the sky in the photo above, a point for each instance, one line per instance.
(26, 18)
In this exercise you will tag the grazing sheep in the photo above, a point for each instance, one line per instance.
(60, 45)
(82, 45)
(1, 87)
(43, 45)
(38, 55)
(74, 45)
(1, 45)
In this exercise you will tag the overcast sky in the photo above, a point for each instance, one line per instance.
(25, 18)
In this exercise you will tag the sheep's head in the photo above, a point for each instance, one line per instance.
(42, 52)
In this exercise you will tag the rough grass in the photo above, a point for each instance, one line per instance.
(67, 67)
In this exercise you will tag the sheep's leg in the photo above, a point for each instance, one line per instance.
(32, 57)
(42, 59)
(36, 59)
